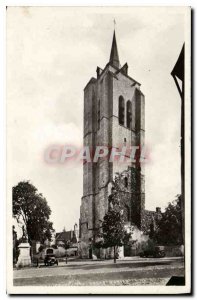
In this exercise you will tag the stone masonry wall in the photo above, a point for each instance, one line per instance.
(107, 131)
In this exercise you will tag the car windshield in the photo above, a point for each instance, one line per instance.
(49, 251)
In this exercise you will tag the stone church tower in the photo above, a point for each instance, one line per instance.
(113, 116)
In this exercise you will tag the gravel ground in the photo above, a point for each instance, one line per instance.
(102, 273)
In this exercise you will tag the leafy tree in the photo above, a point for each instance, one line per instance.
(113, 230)
(41, 248)
(152, 229)
(54, 246)
(98, 242)
(169, 227)
(32, 208)
(67, 246)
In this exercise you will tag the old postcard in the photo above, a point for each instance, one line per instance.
(98, 150)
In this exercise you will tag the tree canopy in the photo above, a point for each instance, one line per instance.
(169, 227)
(113, 229)
(32, 209)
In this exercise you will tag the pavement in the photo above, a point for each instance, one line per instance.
(129, 271)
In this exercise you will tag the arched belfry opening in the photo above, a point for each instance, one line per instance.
(121, 110)
(129, 114)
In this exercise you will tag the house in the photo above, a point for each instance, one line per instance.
(67, 237)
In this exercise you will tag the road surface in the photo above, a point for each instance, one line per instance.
(130, 271)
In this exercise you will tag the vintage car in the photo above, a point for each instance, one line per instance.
(157, 252)
(50, 258)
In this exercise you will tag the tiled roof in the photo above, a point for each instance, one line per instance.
(66, 236)
(63, 236)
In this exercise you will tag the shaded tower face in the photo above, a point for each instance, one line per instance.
(113, 117)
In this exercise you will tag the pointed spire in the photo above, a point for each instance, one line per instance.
(114, 58)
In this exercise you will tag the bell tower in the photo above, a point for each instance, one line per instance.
(113, 116)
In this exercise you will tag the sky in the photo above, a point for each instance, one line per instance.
(52, 52)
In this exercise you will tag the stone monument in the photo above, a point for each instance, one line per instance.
(24, 258)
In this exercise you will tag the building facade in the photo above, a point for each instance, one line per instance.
(64, 237)
(113, 116)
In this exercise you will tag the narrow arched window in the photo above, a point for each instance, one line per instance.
(98, 114)
(126, 182)
(121, 110)
(126, 213)
(129, 113)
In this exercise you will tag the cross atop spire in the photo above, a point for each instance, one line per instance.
(114, 58)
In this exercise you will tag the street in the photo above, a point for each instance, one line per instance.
(128, 271)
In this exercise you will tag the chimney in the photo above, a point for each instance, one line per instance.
(98, 71)
(158, 210)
